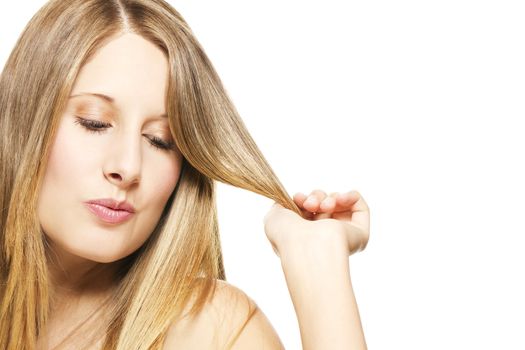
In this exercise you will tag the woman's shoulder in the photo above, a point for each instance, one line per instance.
(230, 319)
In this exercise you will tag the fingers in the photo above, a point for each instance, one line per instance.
(348, 209)
(317, 204)
(360, 210)
(299, 199)
(347, 200)
(313, 201)
(329, 203)
(318, 201)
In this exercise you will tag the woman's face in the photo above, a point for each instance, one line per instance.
(117, 147)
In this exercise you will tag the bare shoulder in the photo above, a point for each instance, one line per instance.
(230, 320)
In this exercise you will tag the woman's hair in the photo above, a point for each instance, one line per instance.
(179, 263)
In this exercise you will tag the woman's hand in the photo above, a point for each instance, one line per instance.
(340, 219)
(314, 249)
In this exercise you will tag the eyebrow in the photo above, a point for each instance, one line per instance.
(105, 98)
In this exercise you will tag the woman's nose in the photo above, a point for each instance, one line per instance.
(123, 163)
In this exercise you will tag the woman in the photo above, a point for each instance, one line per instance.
(114, 128)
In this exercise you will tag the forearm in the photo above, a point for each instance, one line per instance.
(318, 278)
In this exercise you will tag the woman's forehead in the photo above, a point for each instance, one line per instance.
(127, 70)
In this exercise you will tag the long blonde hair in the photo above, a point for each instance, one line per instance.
(182, 258)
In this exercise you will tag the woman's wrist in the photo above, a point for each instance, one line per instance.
(315, 245)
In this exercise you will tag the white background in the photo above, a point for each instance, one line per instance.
(416, 104)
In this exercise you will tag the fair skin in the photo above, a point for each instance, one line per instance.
(123, 161)
(119, 160)
(319, 285)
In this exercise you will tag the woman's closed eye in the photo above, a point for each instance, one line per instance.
(97, 126)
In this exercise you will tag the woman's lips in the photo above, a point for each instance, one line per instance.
(109, 215)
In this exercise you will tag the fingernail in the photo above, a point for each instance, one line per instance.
(328, 202)
(310, 200)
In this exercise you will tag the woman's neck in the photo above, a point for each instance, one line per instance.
(74, 278)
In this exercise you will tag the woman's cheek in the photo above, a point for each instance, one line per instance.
(164, 175)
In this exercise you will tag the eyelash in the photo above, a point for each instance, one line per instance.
(96, 126)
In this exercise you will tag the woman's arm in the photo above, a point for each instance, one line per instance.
(321, 290)
(314, 252)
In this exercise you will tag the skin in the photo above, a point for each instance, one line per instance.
(121, 163)
(314, 250)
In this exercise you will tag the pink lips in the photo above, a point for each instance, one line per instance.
(110, 210)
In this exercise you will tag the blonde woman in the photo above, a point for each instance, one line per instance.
(115, 127)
